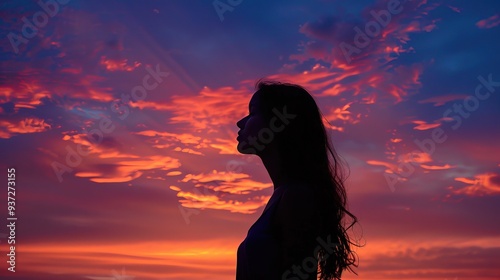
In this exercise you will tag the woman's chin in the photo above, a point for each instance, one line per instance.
(245, 149)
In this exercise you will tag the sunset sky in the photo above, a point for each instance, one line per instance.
(119, 118)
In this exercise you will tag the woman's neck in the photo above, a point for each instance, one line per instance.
(274, 167)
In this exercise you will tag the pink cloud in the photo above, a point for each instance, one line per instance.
(118, 65)
(443, 99)
(422, 125)
(489, 22)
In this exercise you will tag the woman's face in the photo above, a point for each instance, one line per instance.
(250, 126)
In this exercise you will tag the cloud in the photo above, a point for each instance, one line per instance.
(227, 182)
(388, 165)
(422, 125)
(191, 143)
(436, 167)
(9, 129)
(197, 200)
(369, 75)
(361, 81)
(119, 166)
(424, 262)
(342, 114)
(214, 109)
(120, 171)
(479, 185)
(230, 191)
(489, 22)
(118, 64)
(443, 99)
(166, 151)
(226, 146)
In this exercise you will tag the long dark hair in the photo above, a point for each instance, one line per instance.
(308, 156)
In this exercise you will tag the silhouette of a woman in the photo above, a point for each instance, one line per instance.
(302, 231)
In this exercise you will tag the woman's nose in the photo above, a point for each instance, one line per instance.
(241, 123)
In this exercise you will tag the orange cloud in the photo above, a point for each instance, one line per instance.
(388, 165)
(229, 182)
(24, 94)
(416, 157)
(215, 176)
(320, 79)
(197, 200)
(226, 146)
(188, 151)
(174, 173)
(125, 166)
(369, 84)
(184, 138)
(481, 184)
(244, 186)
(162, 140)
(9, 129)
(222, 190)
(210, 109)
(400, 167)
(118, 64)
(436, 167)
(343, 114)
(360, 75)
(155, 105)
(422, 125)
(128, 170)
(93, 147)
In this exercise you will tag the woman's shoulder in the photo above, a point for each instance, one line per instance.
(298, 194)
(297, 207)
(298, 189)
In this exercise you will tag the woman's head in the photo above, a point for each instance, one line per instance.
(285, 120)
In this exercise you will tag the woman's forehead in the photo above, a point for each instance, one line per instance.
(254, 101)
